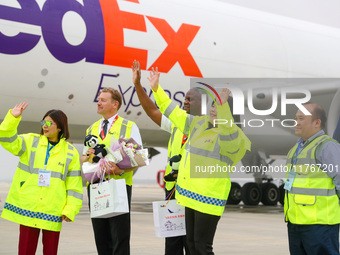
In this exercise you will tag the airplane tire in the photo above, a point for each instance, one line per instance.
(251, 193)
(234, 197)
(282, 194)
(270, 194)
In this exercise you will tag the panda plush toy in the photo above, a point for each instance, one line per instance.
(99, 149)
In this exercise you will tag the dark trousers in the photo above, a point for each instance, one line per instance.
(313, 239)
(112, 235)
(28, 241)
(175, 245)
(200, 229)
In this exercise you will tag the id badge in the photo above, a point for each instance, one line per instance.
(44, 178)
(289, 181)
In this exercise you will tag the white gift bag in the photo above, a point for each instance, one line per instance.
(108, 199)
(89, 171)
(169, 218)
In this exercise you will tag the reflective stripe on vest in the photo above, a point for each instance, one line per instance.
(68, 161)
(32, 170)
(230, 137)
(308, 154)
(8, 139)
(187, 145)
(74, 194)
(201, 198)
(23, 146)
(123, 128)
(32, 214)
(90, 130)
(171, 141)
(12, 139)
(215, 154)
(313, 192)
(170, 109)
(198, 124)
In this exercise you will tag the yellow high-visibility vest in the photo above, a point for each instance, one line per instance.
(32, 205)
(312, 198)
(120, 129)
(174, 148)
(214, 148)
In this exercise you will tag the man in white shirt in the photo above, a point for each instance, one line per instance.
(112, 235)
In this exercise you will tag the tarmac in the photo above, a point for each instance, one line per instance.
(241, 230)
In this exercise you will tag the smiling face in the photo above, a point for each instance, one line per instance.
(307, 125)
(51, 132)
(192, 102)
(107, 107)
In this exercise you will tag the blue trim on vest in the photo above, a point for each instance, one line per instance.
(31, 214)
(201, 198)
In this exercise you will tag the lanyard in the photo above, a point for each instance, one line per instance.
(102, 135)
(48, 153)
(291, 175)
(297, 153)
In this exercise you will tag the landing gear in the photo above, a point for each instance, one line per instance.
(270, 194)
(251, 193)
(235, 194)
(281, 194)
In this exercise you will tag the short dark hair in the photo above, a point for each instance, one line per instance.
(60, 118)
(115, 95)
(318, 113)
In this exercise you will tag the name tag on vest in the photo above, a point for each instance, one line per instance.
(44, 178)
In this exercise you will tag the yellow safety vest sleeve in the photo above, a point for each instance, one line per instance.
(232, 139)
(182, 120)
(9, 137)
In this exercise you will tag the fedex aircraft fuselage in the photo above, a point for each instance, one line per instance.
(60, 53)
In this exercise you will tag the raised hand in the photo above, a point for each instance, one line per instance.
(18, 109)
(224, 95)
(136, 73)
(154, 78)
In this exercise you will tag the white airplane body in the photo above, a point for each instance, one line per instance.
(60, 53)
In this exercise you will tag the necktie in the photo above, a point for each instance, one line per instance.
(105, 122)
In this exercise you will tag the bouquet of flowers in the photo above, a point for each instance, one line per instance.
(125, 153)
(130, 151)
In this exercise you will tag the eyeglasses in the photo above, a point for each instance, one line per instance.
(47, 122)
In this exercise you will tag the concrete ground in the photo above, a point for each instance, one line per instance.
(241, 230)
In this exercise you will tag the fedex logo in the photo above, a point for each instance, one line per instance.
(104, 40)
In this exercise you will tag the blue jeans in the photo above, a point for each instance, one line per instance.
(313, 239)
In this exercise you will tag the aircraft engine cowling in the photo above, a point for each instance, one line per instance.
(333, 114)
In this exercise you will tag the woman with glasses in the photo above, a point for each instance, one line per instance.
(47, 185)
